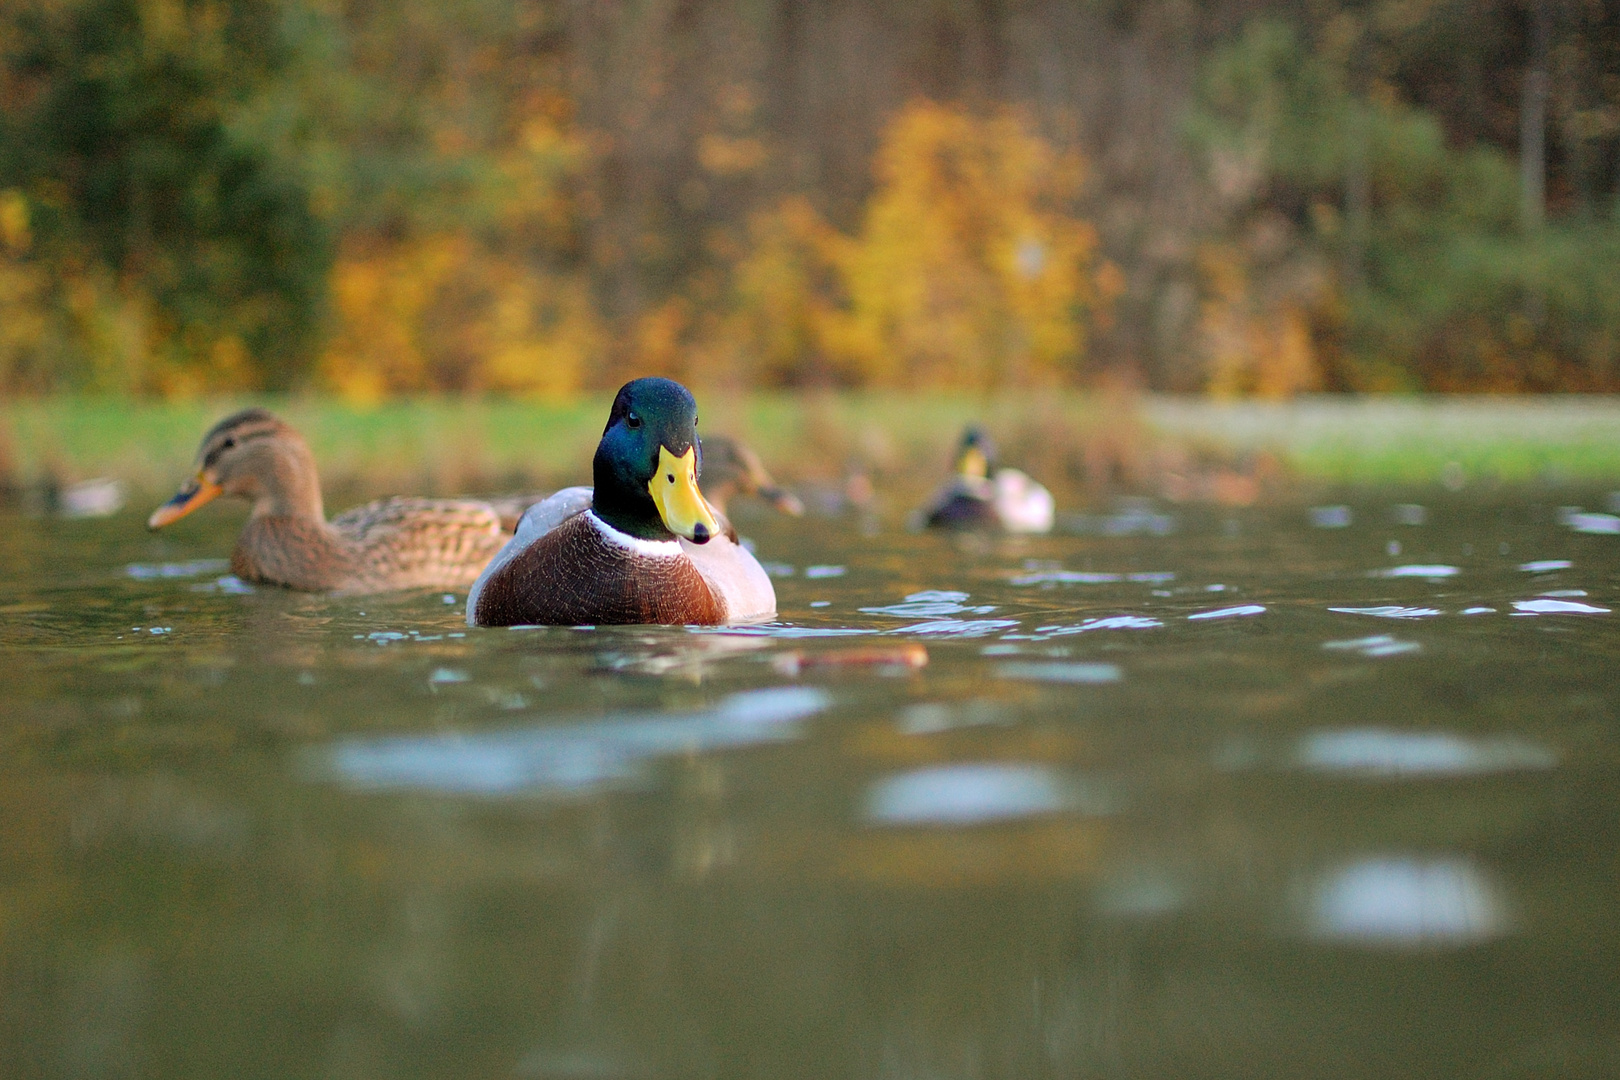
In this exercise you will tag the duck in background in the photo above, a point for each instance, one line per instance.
(397, 543)
(731, 468)
(982, 495)
(641, 546)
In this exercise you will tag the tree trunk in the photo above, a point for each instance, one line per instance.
(1533, 123)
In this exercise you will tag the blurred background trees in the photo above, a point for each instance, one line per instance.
(536, 197)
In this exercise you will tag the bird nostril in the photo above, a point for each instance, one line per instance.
(670, 477)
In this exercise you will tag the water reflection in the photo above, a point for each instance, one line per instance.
(1331, 517)
(1091, 577)
(171, 570)
(1240, 612)
(1134, 517)
(1430, 571)
(1407, 902)
(1390, 611)
(1595, 524)
(1546, 606)
(931, 602)
(572, 759)
(1376, 645)
(1378, 752)
(980, 793)
(1084, 673)
(957, 628)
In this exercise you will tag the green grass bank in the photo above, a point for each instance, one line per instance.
(443, 445)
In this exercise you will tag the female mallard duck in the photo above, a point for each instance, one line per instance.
(397, 543)
(731, 468)
(981, 495)
(642, 547)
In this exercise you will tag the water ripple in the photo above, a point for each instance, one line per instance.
(1389, 611)
(1546, 606)
(572, 759)
(1430, 571)
(1379, 645)
(930, 602)
(1243, 611)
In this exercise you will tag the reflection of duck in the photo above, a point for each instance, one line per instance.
(981, 495)
(730, 468)
(642, 547)
(398, 543)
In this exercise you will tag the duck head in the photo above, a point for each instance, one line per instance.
(255, 456)
(647, 465)
(977, 455)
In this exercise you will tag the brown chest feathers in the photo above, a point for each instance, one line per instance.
(295, 552)
(575, 576)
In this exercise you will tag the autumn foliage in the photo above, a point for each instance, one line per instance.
(520, 197)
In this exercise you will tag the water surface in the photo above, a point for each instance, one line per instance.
(1302, 791)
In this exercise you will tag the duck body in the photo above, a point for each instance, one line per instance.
(397, 543)
(641, 546)
(983, 496)
(568, 567)
(965, 502)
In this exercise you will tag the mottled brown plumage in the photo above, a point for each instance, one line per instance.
(575, 575)
(398, 543)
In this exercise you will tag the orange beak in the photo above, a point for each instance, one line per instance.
(199, 491)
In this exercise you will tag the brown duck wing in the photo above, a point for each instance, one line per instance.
(574, 575)
(405, 543)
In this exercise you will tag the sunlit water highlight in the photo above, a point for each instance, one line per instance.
(1307, 791)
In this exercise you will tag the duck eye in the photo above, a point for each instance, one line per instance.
(670, 477)
(227, 444)
(632, 419)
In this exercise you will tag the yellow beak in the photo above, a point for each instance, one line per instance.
(973, 463)
(197, 492)
(675, 492)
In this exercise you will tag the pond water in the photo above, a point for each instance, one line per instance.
(1296, 791)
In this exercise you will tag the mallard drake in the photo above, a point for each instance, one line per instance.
(983, 495)
(642, 546)
(398, 543)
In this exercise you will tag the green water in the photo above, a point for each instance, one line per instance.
(257, 834)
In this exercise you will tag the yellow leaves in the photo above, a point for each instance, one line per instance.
(786, 286)
(15, 231)
(23, 322)
(970, 268)
(1254, 344)
(725, 156)
(445, 313)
